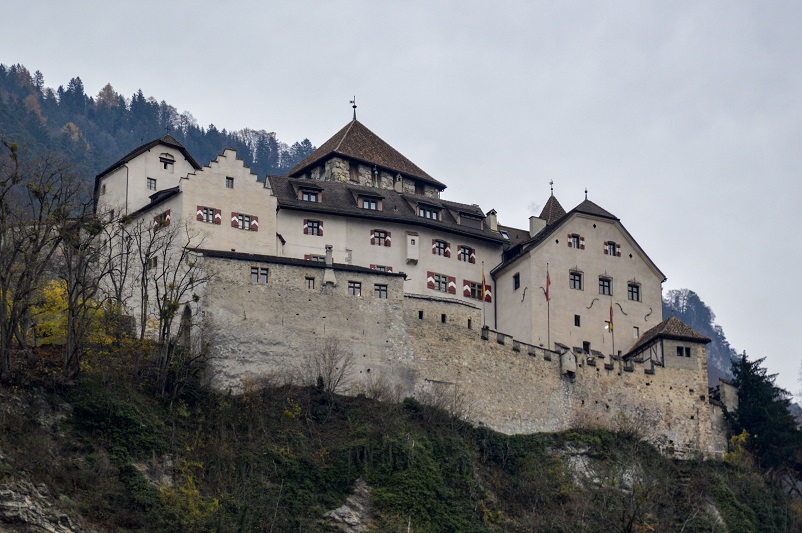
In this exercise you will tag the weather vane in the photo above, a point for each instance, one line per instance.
(551, 184)
(586, 193)
(353, 104)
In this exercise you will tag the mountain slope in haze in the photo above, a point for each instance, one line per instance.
(688, 307)
(91, 132)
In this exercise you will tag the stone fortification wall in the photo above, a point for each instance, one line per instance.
(414, 342)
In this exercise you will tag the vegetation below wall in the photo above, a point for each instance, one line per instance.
(278, 458)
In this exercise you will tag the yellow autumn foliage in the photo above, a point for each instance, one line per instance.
(50, 317)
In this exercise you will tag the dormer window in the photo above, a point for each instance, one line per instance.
(426, 211)
(470, 222)
(310, 196)
(505, 235)
(374, 204)
(167, 162)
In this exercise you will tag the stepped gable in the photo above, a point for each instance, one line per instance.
(355, 141)
(670, 328)
(552, 211)
(339, 198)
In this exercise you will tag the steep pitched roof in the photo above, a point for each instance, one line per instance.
(589, 208)
(552, 211)
(355, 141)
(586, 207)
(670, 328)
(339, 198)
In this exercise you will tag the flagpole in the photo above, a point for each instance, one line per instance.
(548, 308)
(612, 328)
(484, 297)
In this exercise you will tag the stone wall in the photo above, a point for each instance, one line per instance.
(413, 341)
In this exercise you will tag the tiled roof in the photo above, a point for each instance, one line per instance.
(586, 207)
(552, 211)
(355, 141)
(671, 328)
(589, 208)
(340, 198)
(157, 198)
(517, 236)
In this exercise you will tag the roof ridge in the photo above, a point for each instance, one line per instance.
(347, 131)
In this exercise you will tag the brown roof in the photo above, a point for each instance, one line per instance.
(552, 211)
(516, 235)
(355, 141)
(671, 328)
(341, 198)
(586, 207)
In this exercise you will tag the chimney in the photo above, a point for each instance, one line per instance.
(536, 225)
(329, 279)
(492, 221)
(399, 183)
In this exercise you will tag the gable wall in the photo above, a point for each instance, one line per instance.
(528, 319)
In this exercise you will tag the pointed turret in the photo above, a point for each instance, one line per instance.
(552, 211)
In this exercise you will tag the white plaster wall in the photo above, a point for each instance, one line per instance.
(207, 187)
(527, 318)
(133, 177)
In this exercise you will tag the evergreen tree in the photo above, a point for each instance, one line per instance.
(763, 413)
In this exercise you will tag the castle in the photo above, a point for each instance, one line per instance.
(536, 329)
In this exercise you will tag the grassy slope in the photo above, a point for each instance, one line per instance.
(276, 459)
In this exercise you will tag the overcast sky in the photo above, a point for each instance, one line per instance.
(684, 119)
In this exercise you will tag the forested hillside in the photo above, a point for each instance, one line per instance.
(92, 132)
(688, 307)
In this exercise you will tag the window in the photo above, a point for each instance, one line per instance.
(440, 248)
(441, 283)
(467, 254)
(475, 290)
(309, 196)
(575, 280)
(313, 227)
(504, 234)
(315, 258)
(207, 215)
(429, 212)
(244, 221)
(381, 268)
(633, 292)
(380, 291)
(259, 275)
(370, 203)
(612, 248)
(229, 183)
(379, 237)
(310, 283)
(354, 288)
(103, 189)
(573, 241)
(635, 332)
(683, 351)
(586, 346)
(167, 161)
(162, 219)
(577, 321)
(516, 281)
(606, 286)
(151, 184)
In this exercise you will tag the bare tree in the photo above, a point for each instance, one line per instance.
(330, 367)
(36, 198)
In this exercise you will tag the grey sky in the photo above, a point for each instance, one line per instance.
(684, 119)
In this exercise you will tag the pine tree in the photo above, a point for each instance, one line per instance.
(763, 412)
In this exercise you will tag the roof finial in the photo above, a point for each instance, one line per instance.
(353, 104)
(586, 193)
(551, 184)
